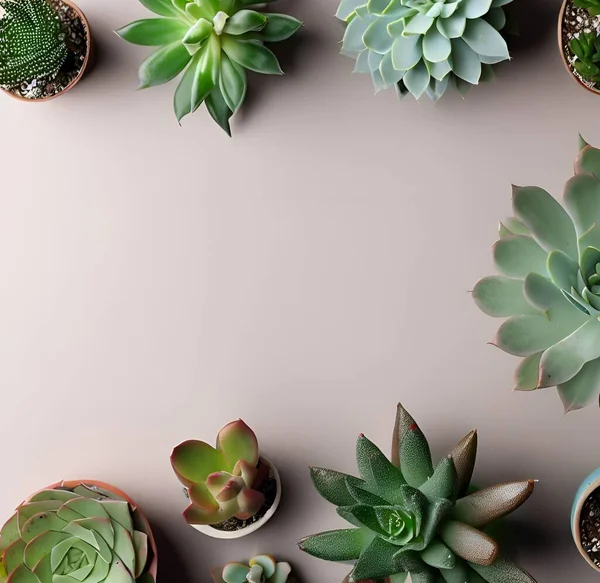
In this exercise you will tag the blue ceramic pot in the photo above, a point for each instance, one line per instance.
(591, 483)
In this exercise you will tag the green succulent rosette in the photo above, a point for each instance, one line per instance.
(260, 569)
(424, 46)
(549, 288)
(213, 43)
(76, 532)
(413, 522)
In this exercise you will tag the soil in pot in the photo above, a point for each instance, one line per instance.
(77, 38)
(576, 21)
(268, 488)
(589, 525)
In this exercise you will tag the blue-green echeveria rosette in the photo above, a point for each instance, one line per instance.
(77, 532)
(260, 569)
(424, 46)
(548, 257)
(413, 521)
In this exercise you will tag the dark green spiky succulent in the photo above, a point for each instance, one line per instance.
(214, 42)
(32, 41)
(586, 47)
(413, 522)
(592, 6)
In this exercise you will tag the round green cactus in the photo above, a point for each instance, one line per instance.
(413, 522)
(549, 290)
(77, 532)
(213, 42)
(423, 46)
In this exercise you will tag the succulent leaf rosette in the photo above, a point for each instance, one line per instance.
(414, 522)
(213, 42)
(260, 569)
(221, 482)
(424, 46)
(549, 288)
(78, 532)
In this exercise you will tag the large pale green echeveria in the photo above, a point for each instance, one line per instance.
(213, 42)
(423, 46)
(549, 288)
(77, 533)
(413, 521)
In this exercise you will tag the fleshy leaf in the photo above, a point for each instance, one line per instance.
(469, 543)
(194, 460)
(500, 297)
(464, 454)
(332, 486)
(484, 39)
(527, 373)
(438, 555)
(153, 31)
(337, 545)
(163, 65)
(502, 570)
(443, 483)
(517, 255)
(238, 442)
(583, 388)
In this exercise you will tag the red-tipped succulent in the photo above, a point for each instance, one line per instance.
(221, 481)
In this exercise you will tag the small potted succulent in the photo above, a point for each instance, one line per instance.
(233, 490)
(84, 531)
(585, 519)
(548, 257)
(413, 521)
(44, 48)
(422, 47)
(579, 41)
(260, 569)
(213, 44)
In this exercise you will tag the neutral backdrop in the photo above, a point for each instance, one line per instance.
(159, 281)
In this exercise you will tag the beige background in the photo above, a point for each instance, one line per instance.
(159, 281)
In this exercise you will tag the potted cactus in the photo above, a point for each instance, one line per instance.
(81, 530)
(414, 522)
(422, 47)
(44, 48)
(549, 286)
(213, 44)
(232, 490)
(579, 41)
(260, 569)
(585, 519)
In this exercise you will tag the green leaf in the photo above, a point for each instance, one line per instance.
(517, 255)
(362, 515)
(452, 27)
(438, 555)
(528, 373)
(279, 27)
(182, 102)
(475, 8)
(419, 24)
(252, 55)
(332, 486)
(377, 470)
(376, 562)
(588, 162)
(562, 269)
(541, 293)
(215, 103)
(562, 361)
(500, 297)
(153, 31)
(497, 18)
(512, 226)
(361, 493)
(415, 457)
(436, 47)
(583, 388)
(205, 80)
(377, 38)
(347, 8)
(443, 483)
(406, 52)
(193, 461)
(353, 36)
(469, 543)
(464, 454)
(439, 71)
(465, 62)
(245, 21)
(501, 571)
(417, 79)
(337, 545)
(389, 75)
(459, 574)
(161, 7)
(582, 200)
(197, 34)
(163, 65)
(232, 83)
(484, 39)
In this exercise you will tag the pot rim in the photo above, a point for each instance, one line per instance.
(230, 535)
(589, 485)
(561, 15)
(88, 30)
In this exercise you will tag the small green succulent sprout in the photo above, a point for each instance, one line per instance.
(586, 47)
(549, 288)
(221, 481)
(424, 46)
(414, 522)
(213, 42)
(260, 569)
(592, 6)
(32, 41)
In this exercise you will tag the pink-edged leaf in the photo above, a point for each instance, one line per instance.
(194, 460)
(237, 442)
(223, 486)
(202, 498)
(246, 471)
(250, 502)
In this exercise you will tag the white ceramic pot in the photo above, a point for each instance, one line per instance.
(226, 534)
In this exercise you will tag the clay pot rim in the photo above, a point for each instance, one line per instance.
(230, 535)
(581, 497)
(561, 15)
(88, 30)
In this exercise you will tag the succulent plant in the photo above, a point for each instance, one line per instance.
(32, 41)
(221, 482)
(260, 569)
(549, 259)
(586, 47)
(80, 532)
(592, 6)
(423, 46)
(414, 522)
(214, 42)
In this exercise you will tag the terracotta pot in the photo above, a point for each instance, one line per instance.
(226, 534)
(561, 16)
(86, 61)
(591, 483)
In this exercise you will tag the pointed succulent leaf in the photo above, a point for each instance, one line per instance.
(438, 555)
(238, 442)
(218, 109)
(377, 470)
(582, 200)
(415, 456)
(194, 460)
(453, 26)
(588, 162)
(279, 27)
(541, 293)
(337, 545)
(353, 36)
(160, 7)
(439, 71)
(500, 297)
(252, 55)
(197, 34)
(347, 8)
(497, 18)
(362, 515)
(443, 483)
(163, 65)
(458, 574)
(467, 542)
(465, 62)
(583, 388)
(484, 506)
(406, 52)
(517, 255)
(512, 226)
(333, 487)
(419, 24)
(502, 570)
(377, 38)
(464, 454)
(389, 74)
(245, 21)
(361, 493)
(182, 102)
(484, 39)
(417, 79)
(476, 8)
(562, 269)
(528, 373)
(205, 79)
(436, 47)
(153, 31)
(376, 562)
